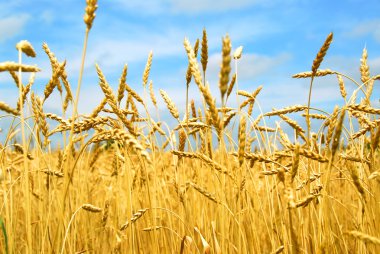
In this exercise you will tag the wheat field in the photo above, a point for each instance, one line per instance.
(220, 180)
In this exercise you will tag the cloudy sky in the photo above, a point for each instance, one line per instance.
(280, 38)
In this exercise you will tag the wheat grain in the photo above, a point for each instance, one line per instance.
(286, 110)
(121, 87)
(338, 132)
(342, 88)
(364, 237)
(231, 85)
(91, 208)
(321, 54)
(364, 108)
(242, 139)
(204, 52)
(170, 104)
(54, 80)
(319, 73)
(91, 6)
(134, 218)
(111, 99)
(147, 68)
(151, 93)
(12, 66)
(225, 67)
(193, 62)
(26, 47)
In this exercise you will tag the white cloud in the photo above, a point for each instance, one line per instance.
(194, 6)
(12, 26)
(371, 27)
(249, 66)
(210, 5)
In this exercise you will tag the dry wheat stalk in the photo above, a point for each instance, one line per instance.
(227, 119)
(337, 134)
(54, 63)
(225, 67)
(306, 200)
(12, 66)
(254, 157)
(15, 78)
(364, 68)
(56, 118)
(121, 87)
(342, 88)
(149, 229)
(170, 104)
(147, 68)
(151, 93)
(376, 139)
(157, 127)
(365, 129)
(364, 237)
(352, 158)
(263, 128)
(361, 117)
(319, 73)
(231, 85)
(374, 175)
(321, 54)
(105, 213)
(81, 125)
(355, 178)
(111, 99)
(26, 48)
(189, 124)
(54, 80)
(182, 140)
(296, 161)
(188, 72)
(316, 116)
(292, 123)
(279, 250)
(364, 108)
(308, 153)
(98, 108)
(25, 91)
(193, 110)
(20, 149)
(40, 116)
(53, 173)
(6, 108)
(134, 218)
(204, 52)
(244, 103)
(117, 134)
(193, 62)
(131, 102)
(184, 154)
(244, 93)
(89, 16)
(286, 110)
(214, 164)
(242, 138)
(204, 192)
(330, 123)
(212, 107)
(91, 208)
(134, 94)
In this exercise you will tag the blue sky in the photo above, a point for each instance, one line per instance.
(280, 38)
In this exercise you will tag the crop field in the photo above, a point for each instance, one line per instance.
(221, 179)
